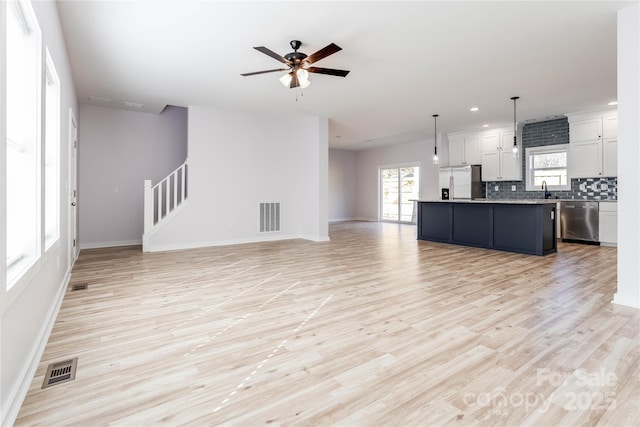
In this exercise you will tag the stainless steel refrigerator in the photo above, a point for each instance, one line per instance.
(463, 182)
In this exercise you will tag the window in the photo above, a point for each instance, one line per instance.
(23, 71)
(51, 155)
(548, 164)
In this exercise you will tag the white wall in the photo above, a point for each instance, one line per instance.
(120, 148)
(628, 157)
(25, 324)
(343, 189)
(238, 160)
(368, 162)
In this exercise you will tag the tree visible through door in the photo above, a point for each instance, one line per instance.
(398, 187)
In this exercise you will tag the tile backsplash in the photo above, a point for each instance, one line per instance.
(552, 132)
(581, 188)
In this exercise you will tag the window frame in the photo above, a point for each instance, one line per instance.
(529, 171)
(11, 289)
(51, 74)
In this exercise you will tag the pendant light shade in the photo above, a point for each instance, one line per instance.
(515, 128)
(435, 139)
(303, 78)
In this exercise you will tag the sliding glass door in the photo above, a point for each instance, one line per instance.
(398, 187)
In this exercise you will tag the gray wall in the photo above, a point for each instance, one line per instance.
(342, 185)
(369, 161)
(552, 132)
(119, 148)
(238, 160)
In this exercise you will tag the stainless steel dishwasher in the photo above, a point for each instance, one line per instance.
(579, 220)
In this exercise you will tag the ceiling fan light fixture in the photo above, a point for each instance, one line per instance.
(303, 78)
(296, 63)
(286, 79)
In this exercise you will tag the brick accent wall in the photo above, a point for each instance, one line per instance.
(552, 132)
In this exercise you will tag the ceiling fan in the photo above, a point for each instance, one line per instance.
(298, 64)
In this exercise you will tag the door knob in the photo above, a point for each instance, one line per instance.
(73, 203)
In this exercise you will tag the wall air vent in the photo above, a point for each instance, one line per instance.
(269, 217)
(132, 104)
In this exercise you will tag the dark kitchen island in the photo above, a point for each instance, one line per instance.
(523, 226)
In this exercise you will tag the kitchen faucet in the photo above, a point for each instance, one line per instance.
(547, 194)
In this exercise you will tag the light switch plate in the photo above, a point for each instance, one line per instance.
(513, 188)
(497, 188)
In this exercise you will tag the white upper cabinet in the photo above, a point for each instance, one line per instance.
(510, 167)
(491, 148)
(593, 145)
(586, 130)
(456, 150)
(585, 159)
(464, 150)
(498, 162)
(472, 150)
(610, 127)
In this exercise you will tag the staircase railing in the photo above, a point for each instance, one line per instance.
(164, 197)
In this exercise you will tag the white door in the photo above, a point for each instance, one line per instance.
(73, 188)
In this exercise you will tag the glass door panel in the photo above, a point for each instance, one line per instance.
(389, 181)
(398, 187)
(409, 179)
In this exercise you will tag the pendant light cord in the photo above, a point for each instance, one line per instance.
(515, 128)
(435, 134)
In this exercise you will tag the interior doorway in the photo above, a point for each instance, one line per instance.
(73, 188)
(399, 187)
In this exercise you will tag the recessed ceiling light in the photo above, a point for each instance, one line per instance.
(613, 103)
(474, 109)
(133, 104)
(485, 125)
(99, 99)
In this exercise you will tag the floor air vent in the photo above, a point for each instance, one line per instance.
(269, 217)
(79, 287)
(60, 372)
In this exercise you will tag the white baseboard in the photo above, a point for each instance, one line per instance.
(110, 244)
(342, 220)
(194, 245)
(625, 300)
(21, 388)
(315, 238)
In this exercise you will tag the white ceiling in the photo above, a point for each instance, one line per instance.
(408, 60)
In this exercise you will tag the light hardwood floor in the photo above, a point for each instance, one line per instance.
(371, 328)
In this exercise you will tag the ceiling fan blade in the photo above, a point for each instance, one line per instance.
(294, 81)
(323, 53)
(272, 54)
(330, 71)
(262, 72)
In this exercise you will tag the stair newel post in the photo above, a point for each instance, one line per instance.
(148, 205)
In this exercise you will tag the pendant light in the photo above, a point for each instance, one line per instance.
(515, 129)
(435, 139)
